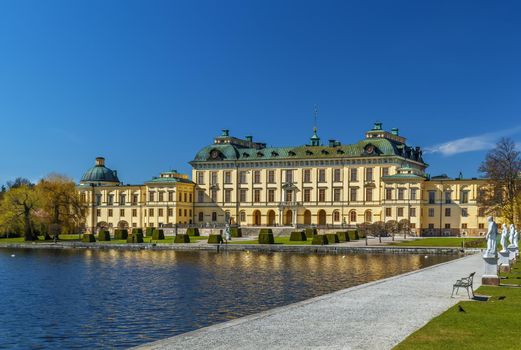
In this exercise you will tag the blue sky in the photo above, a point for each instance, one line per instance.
(148, 83)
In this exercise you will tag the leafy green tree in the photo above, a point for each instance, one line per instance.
(18, 208)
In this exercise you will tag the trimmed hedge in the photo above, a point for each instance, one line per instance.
(343, 236)
(193, 231)
(216, 239)
(120, 234)
(103, 235)
(332, 238)
(182, 239)
(266, 238)
(88, 238)
(158, 234)
(149, 231)
(235, 231)
(353, 235)
(265, 230)
(135, 237)
(137, 230)
(298, 236)
(319, 240)
(311, 232)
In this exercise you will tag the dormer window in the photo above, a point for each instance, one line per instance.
(260, 154)
(291, 153)
(245, 155)
(309, 153)
(274, 154)
(324, 151)
(339, 151)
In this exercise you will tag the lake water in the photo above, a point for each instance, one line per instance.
(76, 299)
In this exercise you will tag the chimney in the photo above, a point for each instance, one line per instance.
(100, 161)
(394, 131)
(225, 133)
(332, 143)
(249, 138)
(377, 126)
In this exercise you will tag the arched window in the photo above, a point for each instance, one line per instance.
(242, 216)
(352, 216)
(336, 216)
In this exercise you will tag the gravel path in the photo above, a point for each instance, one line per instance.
(375, 315)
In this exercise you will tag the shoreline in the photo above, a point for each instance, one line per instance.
(307, 249)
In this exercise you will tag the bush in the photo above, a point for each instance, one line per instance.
(332, 238)
(135, 237)
(149, 231)
(182, 239)
(104, 235)
(158, 235)
(298, 236)
(137, 230)
(235, 231)
(216, 239)
(88, 238)
(121, 234)
(353, 235)
(265, 230)
(343, 236)
(193, 231)
(319, 240)
(310, 232)
(266, 237)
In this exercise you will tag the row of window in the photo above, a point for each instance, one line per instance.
(400, 212)
(122, 200)
(448, 212)
(463, 226)
(464, 197)
(160, 212)
(288, 176)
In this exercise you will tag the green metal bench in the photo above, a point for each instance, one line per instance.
(465, 282)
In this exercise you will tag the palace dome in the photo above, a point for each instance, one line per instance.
(100, 174)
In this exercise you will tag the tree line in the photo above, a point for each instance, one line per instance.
(48, 208)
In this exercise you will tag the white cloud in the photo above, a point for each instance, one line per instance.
(471, 143)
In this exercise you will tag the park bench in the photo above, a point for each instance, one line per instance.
(465, 282)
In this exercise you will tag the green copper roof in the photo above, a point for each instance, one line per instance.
(100, 174)
(169, 180)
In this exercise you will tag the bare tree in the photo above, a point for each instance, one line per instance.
(502, 168)
(392, 227)
(404, 227)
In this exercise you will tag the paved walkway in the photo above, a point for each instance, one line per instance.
(375, 315)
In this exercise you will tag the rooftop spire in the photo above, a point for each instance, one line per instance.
(315, 140)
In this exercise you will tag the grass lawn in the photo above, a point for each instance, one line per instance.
(485, 325)
(440, 242)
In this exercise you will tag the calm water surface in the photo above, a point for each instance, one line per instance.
(116, 299)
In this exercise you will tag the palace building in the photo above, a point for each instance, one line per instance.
(244, 182)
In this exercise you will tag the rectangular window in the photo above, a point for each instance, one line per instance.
(256, 196)
(242, 177)
(352, 194)
(432, 197)
(385, 171)
(110, 199)
(200, 177)
(213, 194)
(83, 198)
(321, 175)
(185, 212)
(190, 198)
(447, 211)
(337, 193)
(271, 176)
(481, 226)
(227, 177)
(401, 194)
(412, 212)
(110, 213)
(170, 196)
(388, 194)
(448, 197)
(135, 199)
(399, 211)
(184, 197)
(122, 212)
(353, 174)
(122, 199)
(161, 196)
(431, 226)
(368, 194)
(271, 195)
(213, 178)
(289, 196)
(289, 176)
(388, 212)
(321, 194)
(431, 212)
(151, 212)
(464, 226)
(464, 212)
(98, 212)
(227, 196)
(369, 174)
(200, 196)
(307, 175)
(134, 213)
(307, 195)
(150, 196)
(98, 199)
(481, 212)
(412, 225)
(242, 195)
(464, 196)
(256, 177)
(337, 175)
(160, 212)
(447, 226)
(170, 212)
(180, 212)
(214, 216)
(413, 193)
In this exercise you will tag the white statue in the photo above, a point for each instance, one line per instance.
(490, 252)
(516, 239)
(512, 234)
(504, 237)
(227, 235)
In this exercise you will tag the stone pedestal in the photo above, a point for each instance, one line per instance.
(490, 278)
(504, 261)
(512, 251)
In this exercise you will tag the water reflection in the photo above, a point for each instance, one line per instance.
(117, 299)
